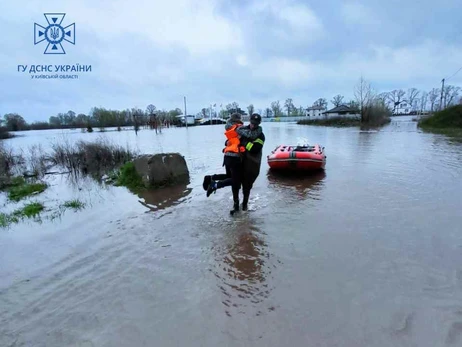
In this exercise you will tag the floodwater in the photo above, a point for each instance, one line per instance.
(368, 253)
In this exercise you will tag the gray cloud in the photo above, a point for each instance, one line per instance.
(219, 51)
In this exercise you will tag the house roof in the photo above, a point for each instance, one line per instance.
(341, 108)
(315, 108)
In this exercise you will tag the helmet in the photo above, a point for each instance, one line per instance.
(255, 119)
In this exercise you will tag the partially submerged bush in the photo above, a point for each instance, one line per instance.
(90, 157)
(38, 161)
(376, 114)
(9, 161)
(333, 121)
(4, 134)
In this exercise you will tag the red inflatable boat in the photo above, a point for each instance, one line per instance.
(299, 158)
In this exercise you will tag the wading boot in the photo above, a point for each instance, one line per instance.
(236, 208)
(245, 203)
(212, 188)
(207, 181)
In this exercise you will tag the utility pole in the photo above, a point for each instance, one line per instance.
(185, 114)
(441, 99)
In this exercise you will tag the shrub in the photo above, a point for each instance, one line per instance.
(90, 157)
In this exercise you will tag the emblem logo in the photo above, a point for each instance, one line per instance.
(54, 33)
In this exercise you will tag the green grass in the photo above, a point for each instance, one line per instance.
(12, 182)
(30, 210)
(21, 191)
(74, 204)
(4, 220)
(128, 177)
(446, 120)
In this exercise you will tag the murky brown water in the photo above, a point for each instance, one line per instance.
(367, 254)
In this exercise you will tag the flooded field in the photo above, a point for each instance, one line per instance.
(368, 253)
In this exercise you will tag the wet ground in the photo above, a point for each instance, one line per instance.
(368, 253)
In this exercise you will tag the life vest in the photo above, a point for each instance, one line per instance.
(233, 141)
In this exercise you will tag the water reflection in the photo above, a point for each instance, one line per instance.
(161, 198)
(242, 268)
(297, 185)
(366, 143)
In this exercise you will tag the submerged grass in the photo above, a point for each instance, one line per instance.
(23, 190)
(30, 210)
(74, 204)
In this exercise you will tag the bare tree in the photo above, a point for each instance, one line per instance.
(396, 98)
(321, 102)
(412, 95)
(433, 96)
(250, 108)
(276, 108)
(364, 95)
(289, 105)
(353, 105)
(268, 112)
(151, 109)
(450, 94)
(337, 100)
(383, 98)
(423, 102)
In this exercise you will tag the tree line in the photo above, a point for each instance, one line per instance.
(416, 101)
(98, 117)
(365, 99)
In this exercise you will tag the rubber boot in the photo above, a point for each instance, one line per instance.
(245, 203)
(212, 188)
(236, 207)
(207, 181)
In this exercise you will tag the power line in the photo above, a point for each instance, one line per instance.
(454, 74)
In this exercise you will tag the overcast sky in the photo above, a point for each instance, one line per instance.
(220, 51)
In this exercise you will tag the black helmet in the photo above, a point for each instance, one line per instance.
(255, 119)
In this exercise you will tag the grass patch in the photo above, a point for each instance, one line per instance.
(447, 119)
(30, 210)
(335, 121)
(10, 182)
(129, 177)
(4, 220)
(21, 191)
(74, 204)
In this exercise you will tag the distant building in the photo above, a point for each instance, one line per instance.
(403, 108)
(342, 111)
(314, 111)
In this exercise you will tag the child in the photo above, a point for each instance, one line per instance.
(233, 153)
